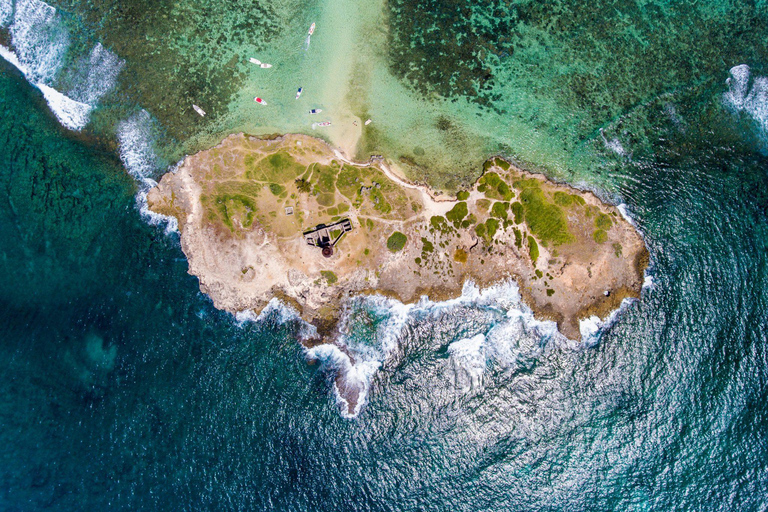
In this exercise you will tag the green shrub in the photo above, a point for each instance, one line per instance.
(329, 276)
(550, 292)
(491, 226)
(603, 222)
(480, 230)
(427, 246)
(462, 195)
(499, 210)
(276, 189)
(600, 236)
(518, 237)
(617, 249)
(533, 249)
(563, 199)
(546, 220)
(457, 213)
(518, 211)
(396, 241)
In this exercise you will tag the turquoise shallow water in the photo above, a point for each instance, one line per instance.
(121, 387)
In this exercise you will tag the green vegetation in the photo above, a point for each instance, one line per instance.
(494, 187)
(550, 292)
(480, 230)
(499, 210)
(329, 276)
(230, 207)
(396, 241)
(491, 226)
(462, 195)
(546, 220)
(518, 211)
(533, 249)
(539, 273)
(460, 255)
(600, 236)
(457, 213)
(427, 246)
(303, 185)
(276, 189)
(518, 237)
(617, 249)
(603, 222)
(563, 199)
(469, 221)
(502, 163)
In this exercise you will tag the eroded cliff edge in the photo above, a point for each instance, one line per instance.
(243, 206)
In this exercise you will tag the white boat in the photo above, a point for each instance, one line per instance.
(311, 29)
(255, 61)
(260, 101)
(199, 110)
(265, 65)
(315, 111)
(324, 123)
(298, 93)
(367, 122)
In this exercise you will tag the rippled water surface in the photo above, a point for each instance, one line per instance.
(121, 387)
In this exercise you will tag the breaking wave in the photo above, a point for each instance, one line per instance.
(752, 100)
(136, 138)
(372, 329)
(40, 43)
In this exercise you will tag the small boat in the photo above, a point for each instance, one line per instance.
(311, 29)
(315, 111)
(322, 125)
(259, 101)
(199, 110)
(298, 93)
(367, 122)
(255, 61)
(265, 65)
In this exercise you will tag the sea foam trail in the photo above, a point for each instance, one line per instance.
(40, 43)
(754, 100)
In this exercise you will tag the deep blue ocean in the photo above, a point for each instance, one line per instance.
(123, 388)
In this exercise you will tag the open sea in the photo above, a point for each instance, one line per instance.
(123, 388)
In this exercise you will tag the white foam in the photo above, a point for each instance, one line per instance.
(70, 113)
(136, 141)
(39, 38)
(99, 77)
(614, 144)
(6, 12)
(357, 375)
(468, 357)
(592, 328)
(741, 97)
(41, 41)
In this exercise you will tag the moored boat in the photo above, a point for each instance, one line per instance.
(260, 101)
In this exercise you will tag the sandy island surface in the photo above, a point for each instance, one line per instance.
(242, 208)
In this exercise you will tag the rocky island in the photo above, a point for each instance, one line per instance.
(290, 217)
